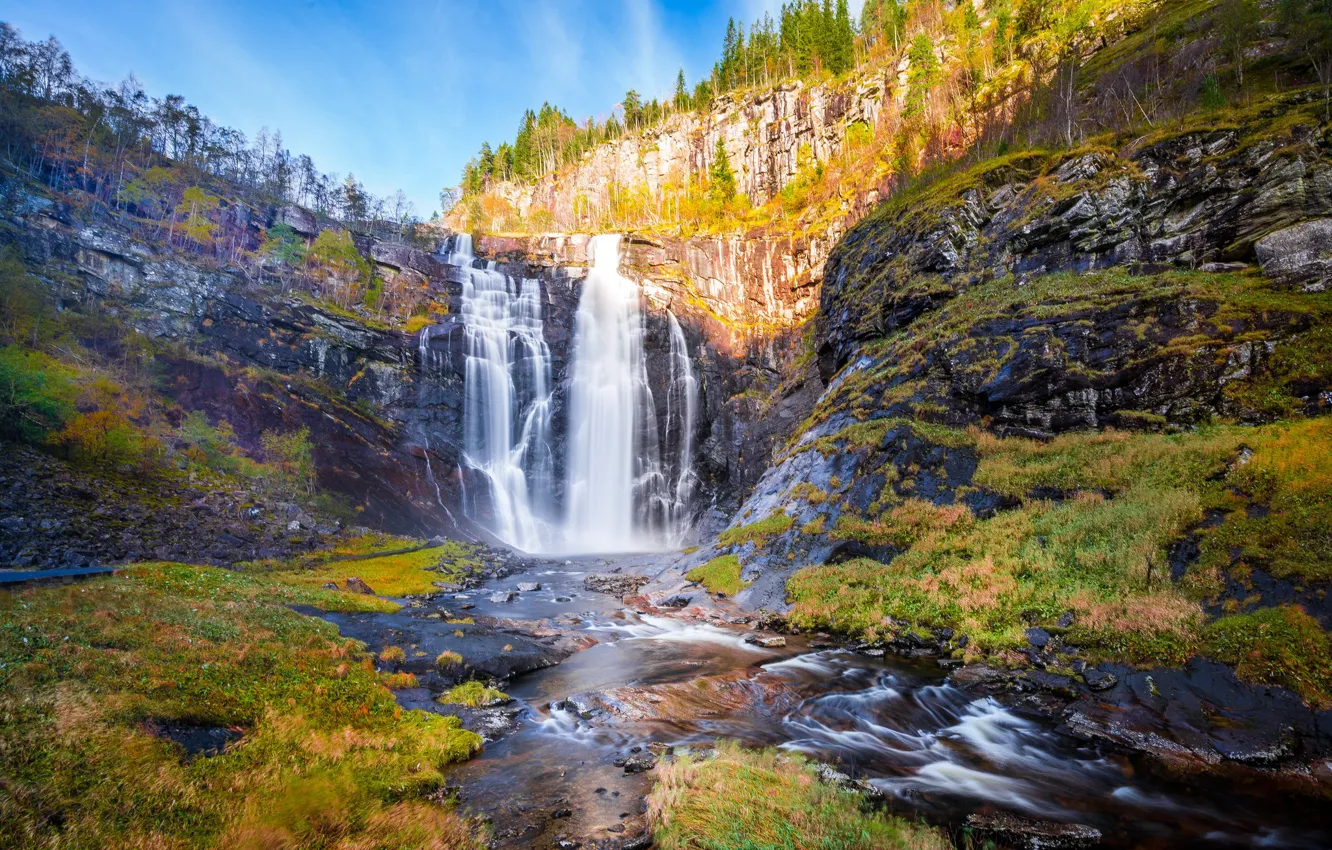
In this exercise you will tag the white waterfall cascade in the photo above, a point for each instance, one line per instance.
(681, 401)
(506, 403)
(619, 494)
(628, 483)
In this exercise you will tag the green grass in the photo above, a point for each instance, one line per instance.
(720, 575)
(328, 759)
(778, 522)
(396, 575)
(1105, 559)
(765, 800)
(473, 694)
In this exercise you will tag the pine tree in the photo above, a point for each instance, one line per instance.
(681, 92)
(721, 179)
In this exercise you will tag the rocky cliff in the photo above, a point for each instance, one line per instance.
(1177, 280)
(767, 135)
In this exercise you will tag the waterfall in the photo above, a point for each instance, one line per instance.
(506, 402)
(629, 479)
(613, 448)
(621, 494)
(681, 399)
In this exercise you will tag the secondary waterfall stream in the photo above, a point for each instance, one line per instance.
(628, 478)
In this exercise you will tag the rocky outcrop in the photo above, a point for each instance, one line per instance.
(767, 135)
(1190, 199)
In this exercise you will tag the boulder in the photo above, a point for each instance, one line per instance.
(1013, 831)
(356, 585)
(503, 596)
(528, 586)
(1300, 255)
(614, 584)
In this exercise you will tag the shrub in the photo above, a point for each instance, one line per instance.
(292, 454)
(398, 681)
(37, 395)
(448, 660)
(392, 655)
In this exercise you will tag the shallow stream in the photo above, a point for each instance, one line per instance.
(933, 749)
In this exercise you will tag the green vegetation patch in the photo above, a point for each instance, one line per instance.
(1101, 552)
(402, 574)
(778, 522)
(473, 694)
(325, 756)
(741, 799)
(720, 575)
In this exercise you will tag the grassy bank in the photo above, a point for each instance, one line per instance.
(1091, 532)
(751, 800)
(90, 674)
(380, 560)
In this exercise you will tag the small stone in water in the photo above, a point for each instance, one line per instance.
(503, 596)
(528, 586)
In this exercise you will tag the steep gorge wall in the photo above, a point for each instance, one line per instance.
(763, 133)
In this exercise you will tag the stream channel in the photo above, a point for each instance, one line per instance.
(554, 774)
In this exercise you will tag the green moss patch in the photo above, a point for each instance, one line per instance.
(778, 522)
(720, 575)
(473, 694)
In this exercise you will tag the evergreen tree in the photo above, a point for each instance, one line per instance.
(681, 92)
(721, 179)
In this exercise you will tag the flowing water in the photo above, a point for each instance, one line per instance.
(629, 479)
(933, 749)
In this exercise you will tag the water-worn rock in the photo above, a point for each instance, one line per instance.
(615, 584)
(528, 586)
(1014, 831)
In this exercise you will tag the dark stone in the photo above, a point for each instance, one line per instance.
(614, 584)
(1099, 680)
(1014, 831)
(356, 585)
(1038, 637)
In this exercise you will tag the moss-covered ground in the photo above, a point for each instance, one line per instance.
(379, 560)
(720, 575)
(325, 757)
(739, 799)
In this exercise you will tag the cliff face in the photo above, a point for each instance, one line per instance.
(248, 352)
(764, 135)
(1177, 281)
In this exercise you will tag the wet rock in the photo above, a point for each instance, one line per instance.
(528, 586)
(1014, 831)
(636, 763)
(356, 585)
(1038, 637)
(677, 601)
(1099, 680)
(447, 586)
(503, 596)
(766, 641)
(614, 584)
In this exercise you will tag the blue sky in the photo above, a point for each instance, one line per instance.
(401, 93)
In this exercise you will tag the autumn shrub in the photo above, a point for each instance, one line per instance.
(392, 655)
